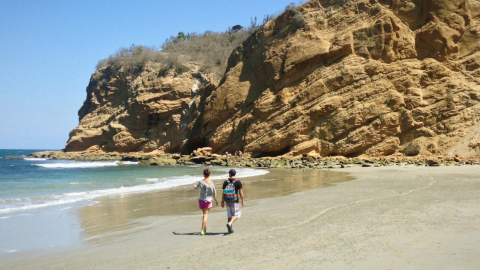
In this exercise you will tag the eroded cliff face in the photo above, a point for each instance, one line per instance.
(130, 110)
(360, 77)
(328, 77)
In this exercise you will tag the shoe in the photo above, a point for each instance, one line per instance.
(229, 228)
(203, 233)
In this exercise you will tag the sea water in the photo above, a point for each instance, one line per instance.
(30, 184)
(43, 191)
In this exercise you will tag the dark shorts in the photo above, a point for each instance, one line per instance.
(204, 204)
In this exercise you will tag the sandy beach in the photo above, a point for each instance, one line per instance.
(394, 217)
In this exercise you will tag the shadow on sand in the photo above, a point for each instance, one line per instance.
(198, 234)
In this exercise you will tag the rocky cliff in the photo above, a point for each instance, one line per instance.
(139, 110)
(328, 77)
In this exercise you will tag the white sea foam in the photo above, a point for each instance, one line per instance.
(82, 164)
(34, 159)
(152, 180)
(159, 184)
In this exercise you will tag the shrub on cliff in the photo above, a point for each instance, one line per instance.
(297, 16)
(209, 49)
(133, 56)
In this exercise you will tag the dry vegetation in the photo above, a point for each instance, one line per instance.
(210, 49)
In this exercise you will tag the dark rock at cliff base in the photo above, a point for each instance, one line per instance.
(433, 163)
(158, 162)
(198, 159)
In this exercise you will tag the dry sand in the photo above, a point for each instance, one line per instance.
(388, 218)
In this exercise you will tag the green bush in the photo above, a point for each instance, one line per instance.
(163, 71)
(181, 69)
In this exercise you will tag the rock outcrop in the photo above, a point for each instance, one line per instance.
(360, 77)
(329, 77)
(129, 110)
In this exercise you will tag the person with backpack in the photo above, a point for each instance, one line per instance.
(207, 195)
(231, 189)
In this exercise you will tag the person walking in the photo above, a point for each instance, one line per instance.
(207, 194)
(232, 188)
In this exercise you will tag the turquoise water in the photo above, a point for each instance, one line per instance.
(33, 185)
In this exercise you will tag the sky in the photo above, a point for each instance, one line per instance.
(49, 49)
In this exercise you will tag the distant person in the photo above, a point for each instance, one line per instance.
(207, 194)
(236, 154)
(231, 189)
(226, 154)
(240, 153)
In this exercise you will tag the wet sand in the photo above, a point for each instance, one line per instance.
(387, 218)
(117, 213)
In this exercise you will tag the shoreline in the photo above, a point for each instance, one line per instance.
(114, 213)
(300, 162)
(387, 218)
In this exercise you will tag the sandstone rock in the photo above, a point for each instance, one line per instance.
(366, 77)
(371, 99)
(125, 111)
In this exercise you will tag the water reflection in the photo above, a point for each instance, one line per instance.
(116, 213)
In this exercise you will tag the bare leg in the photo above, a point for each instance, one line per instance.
(204, 220)
(231, 221)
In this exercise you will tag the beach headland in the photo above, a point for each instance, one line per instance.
(399, 217)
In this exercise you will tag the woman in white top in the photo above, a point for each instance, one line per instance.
(207, 194)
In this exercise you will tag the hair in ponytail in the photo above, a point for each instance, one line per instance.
(206, 172)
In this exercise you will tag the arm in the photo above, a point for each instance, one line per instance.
(223, 198)
(215, 196)
(241, 195)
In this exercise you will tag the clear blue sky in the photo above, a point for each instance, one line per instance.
(49, 49)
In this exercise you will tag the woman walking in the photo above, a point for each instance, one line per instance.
(207, 194)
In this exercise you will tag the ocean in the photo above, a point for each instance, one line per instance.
(30, 185)
(40, 200)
